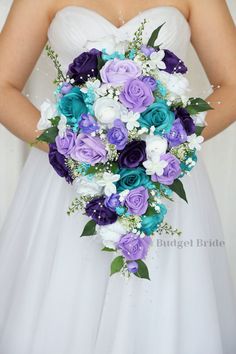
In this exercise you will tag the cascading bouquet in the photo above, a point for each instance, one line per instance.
(124, 132)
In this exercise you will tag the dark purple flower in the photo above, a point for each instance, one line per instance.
(137, 201)
(177, 135)
(171, 171)
(150, 81)
(132, 267)
(113, 201)
(134, 247)
(88, 124)
(133, 155)
(84, 66)
(136, 95)
(118, 134)
(97, 210)
(57, 161)
(186, 120)
(66, 143)
(173, 63)
(147, 50)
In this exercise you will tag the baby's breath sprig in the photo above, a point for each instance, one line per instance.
(78, 204)
(137, 41)
(54, 57)
(181, 151)
(168, 229)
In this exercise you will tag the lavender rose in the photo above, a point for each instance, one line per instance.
(133, 155)
(150, 81)
(88, 124)
(118, 135)
(57, 161)
(177, 135)
(146, 50)
(132, 267)
(83, 66)
(97, 210)
(119, 71)
(171, 171)
(112, 201)
(173, 63)
(89, 149)
(186, 120)
(66, 144)
(137, 201)
(136, 95)
(133, 247)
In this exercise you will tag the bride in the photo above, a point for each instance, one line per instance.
(56, 295)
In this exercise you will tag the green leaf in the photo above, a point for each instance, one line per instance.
(142, 270)
(178, 188)
(154, 36)
(49, 135)
(199, 130)
(55, 121)
(150, 211)
(107, 249)
(117, 264)
(197, 105)
(89, 229)
(101, 63)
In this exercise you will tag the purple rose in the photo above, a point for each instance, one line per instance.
(97, 210)
(136, 95)
(177, 134)
(173, 63)
(133, 155)
(150, 81)
(88, 124)
(171, 171)
(113, 201)
(132, 267)
(118, 135)
(57, 161)
(133, 247)
(66, 144)
(119, 71)
(147, 51)
(89, 149)
(84, 66)
(66, 87)
(186, 120)
(137, 201)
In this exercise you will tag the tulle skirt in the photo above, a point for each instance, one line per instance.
(57, 296)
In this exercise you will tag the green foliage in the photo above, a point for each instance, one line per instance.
(197, 105)
(107, 249)
(142, 270)
(199, 130)
(89, 229)
(49, 135)
(178, 188)
(154, 36)
(117, 264)
(54, 57)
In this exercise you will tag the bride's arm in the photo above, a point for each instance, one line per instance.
(21, 42)
(214, 38)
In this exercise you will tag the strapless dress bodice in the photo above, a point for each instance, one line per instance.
(73, 26)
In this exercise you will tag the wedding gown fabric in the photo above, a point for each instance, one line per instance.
(56, 293)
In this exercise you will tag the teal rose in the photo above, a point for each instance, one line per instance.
(150, 223)
(131, 178)
(72, 105)
(158, 115)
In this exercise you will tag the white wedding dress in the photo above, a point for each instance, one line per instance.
(56, 294)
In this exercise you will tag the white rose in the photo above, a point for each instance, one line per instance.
(48, 111)
(110, 43)
(155, 145)
(111, 233)
(176, 84)
(107, 110)
(199, 119)
(84, 186)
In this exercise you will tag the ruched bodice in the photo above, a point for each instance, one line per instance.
(73, 26)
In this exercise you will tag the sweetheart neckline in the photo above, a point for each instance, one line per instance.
(126, 23)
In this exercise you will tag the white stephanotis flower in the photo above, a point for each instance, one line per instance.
(62, 126)
(156, 60)
(123, 194)
(156, 165)
(199, 119)
(155, 146)
(48, 111)
(107, 181)
(111, 234)
(110, 43)
(131, 119)
(95, 85)
(195, 141)
(106, 110)
(83, 186)
(176, 84)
